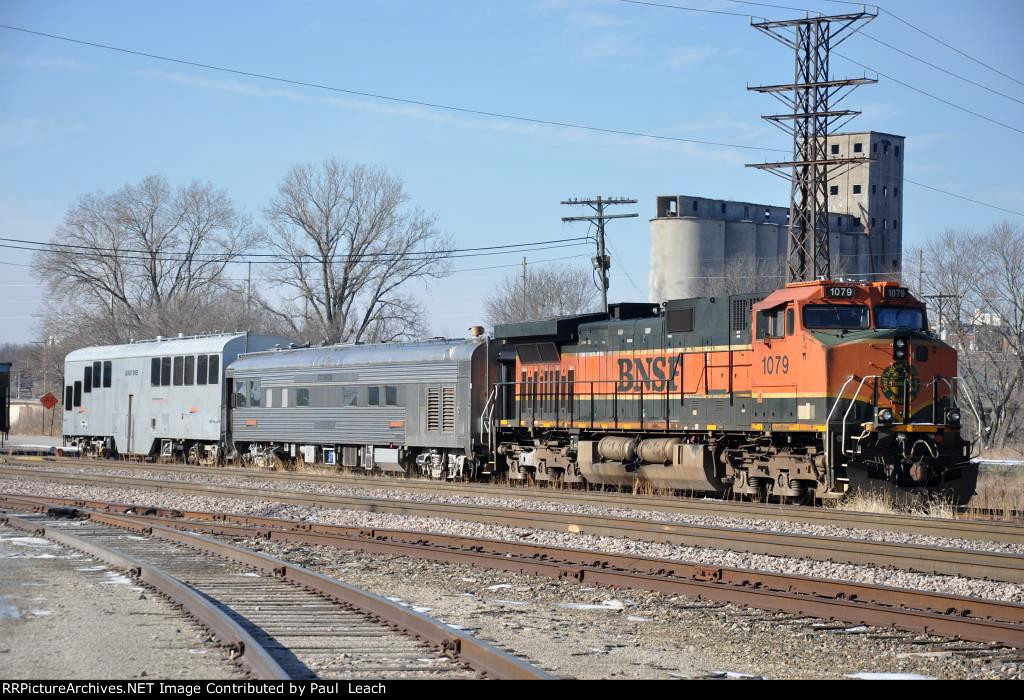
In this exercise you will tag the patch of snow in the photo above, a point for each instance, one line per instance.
(607, 605)
(886, 676)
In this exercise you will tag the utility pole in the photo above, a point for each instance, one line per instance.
(248, 296)
(920, 272)
(601, 262)
(810, 118)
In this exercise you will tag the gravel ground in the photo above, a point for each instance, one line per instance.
(65, 615)
(595, 632)
(397, 494)
(955, 585)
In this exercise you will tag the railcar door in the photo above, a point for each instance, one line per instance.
(130, 447)
(776, 368)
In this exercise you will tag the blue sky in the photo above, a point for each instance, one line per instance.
(75, 120)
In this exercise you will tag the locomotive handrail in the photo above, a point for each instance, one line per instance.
(977, 416)
(828, 419)
(853, 402)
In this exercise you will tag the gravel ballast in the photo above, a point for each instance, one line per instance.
(994, 590)
(521, 504)
(595, 632)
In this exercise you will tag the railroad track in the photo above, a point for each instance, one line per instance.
(910, 557)
(281, 621)
(944, 615)
(996, 531)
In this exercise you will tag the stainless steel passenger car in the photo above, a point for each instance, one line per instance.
(162, 397)
(395, 407)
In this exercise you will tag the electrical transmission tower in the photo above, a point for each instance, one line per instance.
(601, 261)
(811, 100)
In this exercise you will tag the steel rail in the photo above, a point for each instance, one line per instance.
(932, 613)
(244, 648)
(987, 530)
(927, 559)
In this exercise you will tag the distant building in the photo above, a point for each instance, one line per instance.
(695, 239)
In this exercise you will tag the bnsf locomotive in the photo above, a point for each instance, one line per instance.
(799, 394)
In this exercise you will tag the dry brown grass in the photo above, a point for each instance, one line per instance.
(999, 492)
(885, 504)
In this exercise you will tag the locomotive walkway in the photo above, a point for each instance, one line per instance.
(910, 557)
(280, 621)
(932, 613)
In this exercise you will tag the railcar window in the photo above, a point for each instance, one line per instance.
(154, 372)
(190, 370)
(165, 371)
(899, 317)
(87, 379)
(241, 391)
(108, 371)
(78, 394)
(373, 394)
(349, 396)
(391, 395)
(254, 393)
(214, 374)
(201, 369)
(97, 374)
(69, 396)
(790, 321)
(179, 370)
(302, 397)
(836, 316)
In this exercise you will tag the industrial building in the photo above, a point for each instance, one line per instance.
(696, 241)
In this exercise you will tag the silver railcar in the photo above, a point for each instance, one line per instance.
(162, 397)
(398, 407)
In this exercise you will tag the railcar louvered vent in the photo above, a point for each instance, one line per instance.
(448, 409)
(433, 409)
(741, 311)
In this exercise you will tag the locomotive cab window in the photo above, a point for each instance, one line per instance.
(771, 323)
(836, 316)
(907, 317)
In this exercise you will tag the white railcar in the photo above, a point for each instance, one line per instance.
(162, 397)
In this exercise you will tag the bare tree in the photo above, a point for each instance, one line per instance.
(976, 281)
(352, 249)
(145, 260)
(545, 292)
(742, 276)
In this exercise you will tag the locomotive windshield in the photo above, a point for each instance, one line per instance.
(836, 316)
(907, 317)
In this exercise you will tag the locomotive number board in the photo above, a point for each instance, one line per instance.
(840, 292)
(896, 293)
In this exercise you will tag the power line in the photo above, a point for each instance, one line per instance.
(467, 110)
(931, 95)
(960, 196)
(379, 96)
(513, 247)
(865, 67)
(950, 46)
(940, 68)
(419, 257)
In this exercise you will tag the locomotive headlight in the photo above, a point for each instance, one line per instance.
(953, 416)
(885, 415)
(900, 343)
(900, 354)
